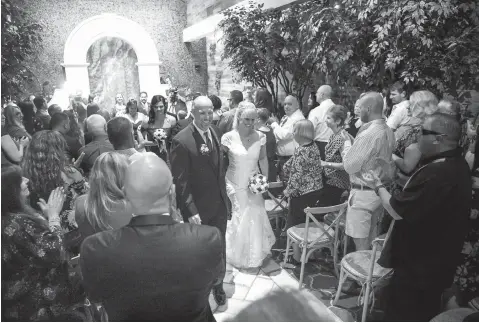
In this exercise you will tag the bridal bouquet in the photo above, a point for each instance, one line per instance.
(258, 184)
(160, 134)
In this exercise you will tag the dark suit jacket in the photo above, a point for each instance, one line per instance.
(153, 269)
(200, 186)
(226, 121)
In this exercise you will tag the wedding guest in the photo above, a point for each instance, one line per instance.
(374, 140)
(263, 117)
(216, 108)
(158, 119)
(104, 206)
(96, 126)
(176, 103)
(336, 178)
(54, 108)
(28, 111)
(318, 117)
(354, 122)
(153, 269)
(144, 106)
(406, 153)
(283, 132)
(92, 108)
(133, 114)
(119, 108)
(263, 99)
(42, 118)
(399, 114)
(45, 166)
(226, 122)
(36, 284)
(304, 174)
(105, 114)
(436, 200)
(12, 151)
(183, 122)
(312, 103)
(60, 123)
(14, 122)
(120, 135)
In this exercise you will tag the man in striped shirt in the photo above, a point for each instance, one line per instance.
(374, 141)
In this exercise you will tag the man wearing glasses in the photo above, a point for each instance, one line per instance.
(431, 214)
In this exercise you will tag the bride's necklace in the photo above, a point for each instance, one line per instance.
(248, 138)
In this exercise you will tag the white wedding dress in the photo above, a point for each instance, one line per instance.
(249, 236)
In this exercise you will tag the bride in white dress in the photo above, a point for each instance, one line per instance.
(249, 236)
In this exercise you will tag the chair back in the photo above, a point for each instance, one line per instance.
(310, 212)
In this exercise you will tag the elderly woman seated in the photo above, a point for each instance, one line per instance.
(304, 174)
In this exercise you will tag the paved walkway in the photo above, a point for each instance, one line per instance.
(243, 287)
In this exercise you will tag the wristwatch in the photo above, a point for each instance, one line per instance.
(376, 189)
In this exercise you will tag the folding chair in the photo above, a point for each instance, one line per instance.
(362, 267)
(311, 237)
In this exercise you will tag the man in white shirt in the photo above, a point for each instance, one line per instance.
(144, 106)
(318, 117)
(399, 112)
(283, 131)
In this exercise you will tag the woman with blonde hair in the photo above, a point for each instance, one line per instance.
(249, 236)
(406, 153)
(104, 207)
(14, 122)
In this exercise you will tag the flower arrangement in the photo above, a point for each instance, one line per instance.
(258, 184)
(160, 134)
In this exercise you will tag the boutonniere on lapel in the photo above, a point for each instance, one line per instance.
(204, 150)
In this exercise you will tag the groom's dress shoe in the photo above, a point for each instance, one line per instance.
(219, 295)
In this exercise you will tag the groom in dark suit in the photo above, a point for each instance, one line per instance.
(199, 174)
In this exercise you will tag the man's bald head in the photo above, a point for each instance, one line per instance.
(323, 93)
(444, 124)
(291, 104)
(371, 106)
(202, 112)
(147, 184)
(96, 125)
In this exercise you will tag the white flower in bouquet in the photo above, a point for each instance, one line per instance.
(258, 184)
(160, 134)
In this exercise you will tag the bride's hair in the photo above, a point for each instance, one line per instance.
(242, 107)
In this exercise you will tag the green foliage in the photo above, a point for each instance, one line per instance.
(20, 40)
(366, 44)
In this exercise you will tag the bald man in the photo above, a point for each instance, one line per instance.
(199, 171)
(432, 215)
(283, 132)
(96, 128)
(153, 269)
(374, 140)
(318, 117)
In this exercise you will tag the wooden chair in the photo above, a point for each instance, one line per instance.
(362, 267)
(277, 210)
(311, 237)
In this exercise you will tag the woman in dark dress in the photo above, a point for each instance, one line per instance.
(263, 116)
(36, 283)
(158, 119)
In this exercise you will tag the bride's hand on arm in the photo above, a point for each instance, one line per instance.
(195, 219)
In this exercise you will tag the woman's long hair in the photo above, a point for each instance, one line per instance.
(44, 161)
(264, 99)
(154, 100)
(75, 130)
(12, 201)
(106, 183)
(11, 117)
(130, 104)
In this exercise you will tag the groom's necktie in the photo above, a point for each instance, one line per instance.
(213, 152)
(208, 141)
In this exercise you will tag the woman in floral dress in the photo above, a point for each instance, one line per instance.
(36, 283)
(45, 166)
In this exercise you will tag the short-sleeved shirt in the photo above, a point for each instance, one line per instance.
(435, 206)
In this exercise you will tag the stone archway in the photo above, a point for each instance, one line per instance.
(111, 25)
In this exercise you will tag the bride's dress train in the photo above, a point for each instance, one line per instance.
(249, 236)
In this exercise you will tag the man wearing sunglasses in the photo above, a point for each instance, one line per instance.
(431, 216)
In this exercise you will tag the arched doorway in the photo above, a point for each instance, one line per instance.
(111, 25)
